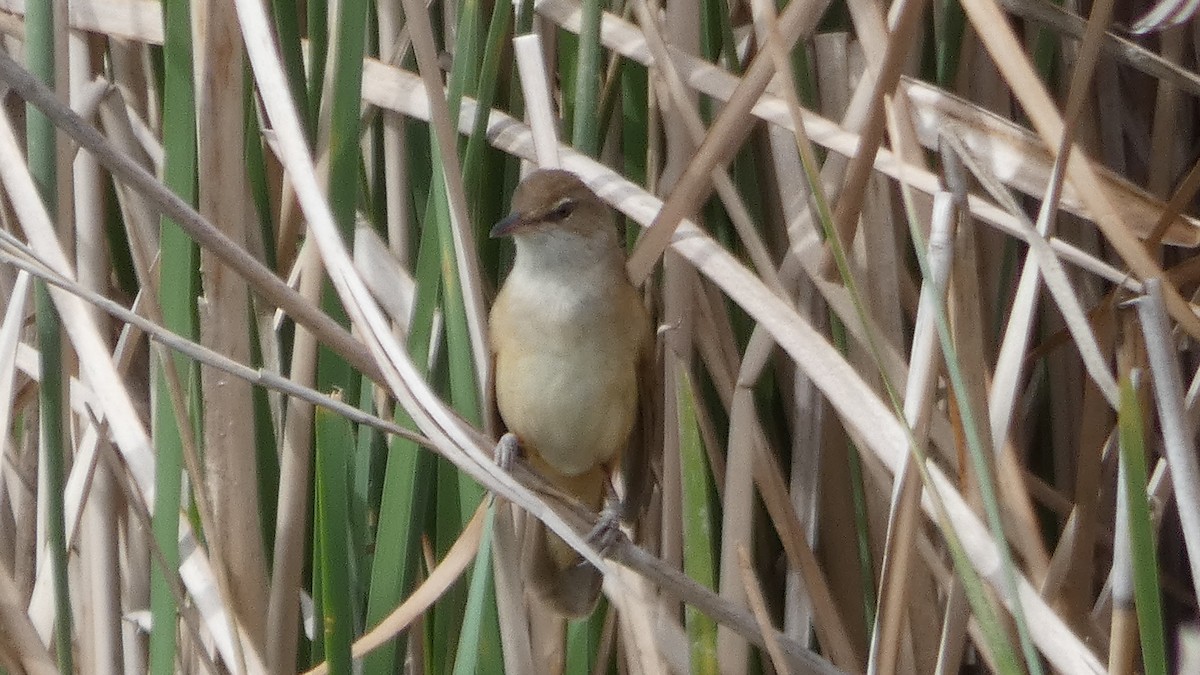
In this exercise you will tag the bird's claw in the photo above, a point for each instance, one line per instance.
(606, 532)
(506, 452)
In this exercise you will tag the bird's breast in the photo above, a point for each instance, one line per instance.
(566, 369)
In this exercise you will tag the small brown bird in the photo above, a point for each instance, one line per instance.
(573, 348)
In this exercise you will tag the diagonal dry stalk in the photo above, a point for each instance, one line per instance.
(724, 318)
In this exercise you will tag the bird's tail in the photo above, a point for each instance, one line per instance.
(555, 571)
(558, 574)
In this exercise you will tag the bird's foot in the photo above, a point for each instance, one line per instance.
(606, 532)
(506, 452)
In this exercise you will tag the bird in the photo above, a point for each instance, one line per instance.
(573, 349)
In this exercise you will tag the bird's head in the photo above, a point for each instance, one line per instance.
(551, 201)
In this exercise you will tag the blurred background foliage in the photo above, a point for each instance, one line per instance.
(888, 279)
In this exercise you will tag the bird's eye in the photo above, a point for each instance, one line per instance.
(560, 211)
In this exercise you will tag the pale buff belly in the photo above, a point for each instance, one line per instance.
(571, 404)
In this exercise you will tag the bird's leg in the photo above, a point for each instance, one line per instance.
(607, 530)
(507, 450)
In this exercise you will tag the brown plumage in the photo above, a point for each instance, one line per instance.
(573, 346)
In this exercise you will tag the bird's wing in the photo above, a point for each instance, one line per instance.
(493, 424)
(642, 458)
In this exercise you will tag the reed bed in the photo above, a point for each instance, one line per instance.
(923, 281)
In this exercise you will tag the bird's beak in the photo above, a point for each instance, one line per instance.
(507, 226)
